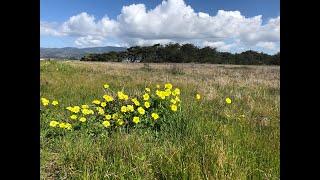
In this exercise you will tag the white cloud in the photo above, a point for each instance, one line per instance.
(84, 24)
(267, 45)
(174, 19)
(80, 25)
(89, 41)
(171, 21)
(220, 45)
(49, 29)
(269, 32)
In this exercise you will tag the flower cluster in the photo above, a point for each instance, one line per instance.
(118, 109)
(46, 102)
(61, 125)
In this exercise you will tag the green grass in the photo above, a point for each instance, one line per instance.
(202, 142)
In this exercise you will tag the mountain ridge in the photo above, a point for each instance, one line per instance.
(74, 52)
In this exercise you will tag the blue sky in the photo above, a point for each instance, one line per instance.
(89, 26)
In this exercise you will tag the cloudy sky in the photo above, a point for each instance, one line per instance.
(228, 25)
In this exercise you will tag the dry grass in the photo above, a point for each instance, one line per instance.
(238, 75)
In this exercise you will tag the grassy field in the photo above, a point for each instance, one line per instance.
(209, 140)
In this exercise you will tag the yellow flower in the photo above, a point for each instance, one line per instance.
(97, 102)
(135, 101)
(91, 111)
(173, 101)
(55, 103)
(87, 111)
(130, 108)
(155, 116)
(62, 125)
(84, 106)
(147, 104)
(115, 116)
(136, 120)
(120, 93)
(69, 108)
(147, 89)
(124, 109)
(108, 98)
(122, 96)
(167, 92)
(83, 119)
(158, 86)
(198, 96)
(146, 97)
(106, 86)
(176, 91)
(45, 101)
(103, 104)
(177, 99)
(100, 110)
(74, 109)
(141, 110)
(108, 116)
(106, 124)
(120, 122)
(168, 86)
(73, 117)
(53, 123)
(228, 100)
(161, 94)
(174, 107)
(68, 126)
(65, 126)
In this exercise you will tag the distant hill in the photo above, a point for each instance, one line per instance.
(75, 53)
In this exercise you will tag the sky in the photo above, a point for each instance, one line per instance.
(228, 25)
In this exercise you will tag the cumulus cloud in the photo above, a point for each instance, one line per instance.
(170, 21)
(80, 25)
(89, 41)
(50, 29)
(269, 32)
(84, 24)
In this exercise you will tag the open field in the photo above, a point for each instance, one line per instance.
(211, 140)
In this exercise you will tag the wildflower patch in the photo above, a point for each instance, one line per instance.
(116, 109)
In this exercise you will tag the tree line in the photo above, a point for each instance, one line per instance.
(186, 53)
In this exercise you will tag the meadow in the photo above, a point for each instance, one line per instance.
(210, 139)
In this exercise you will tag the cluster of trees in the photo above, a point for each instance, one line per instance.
(176, 53)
